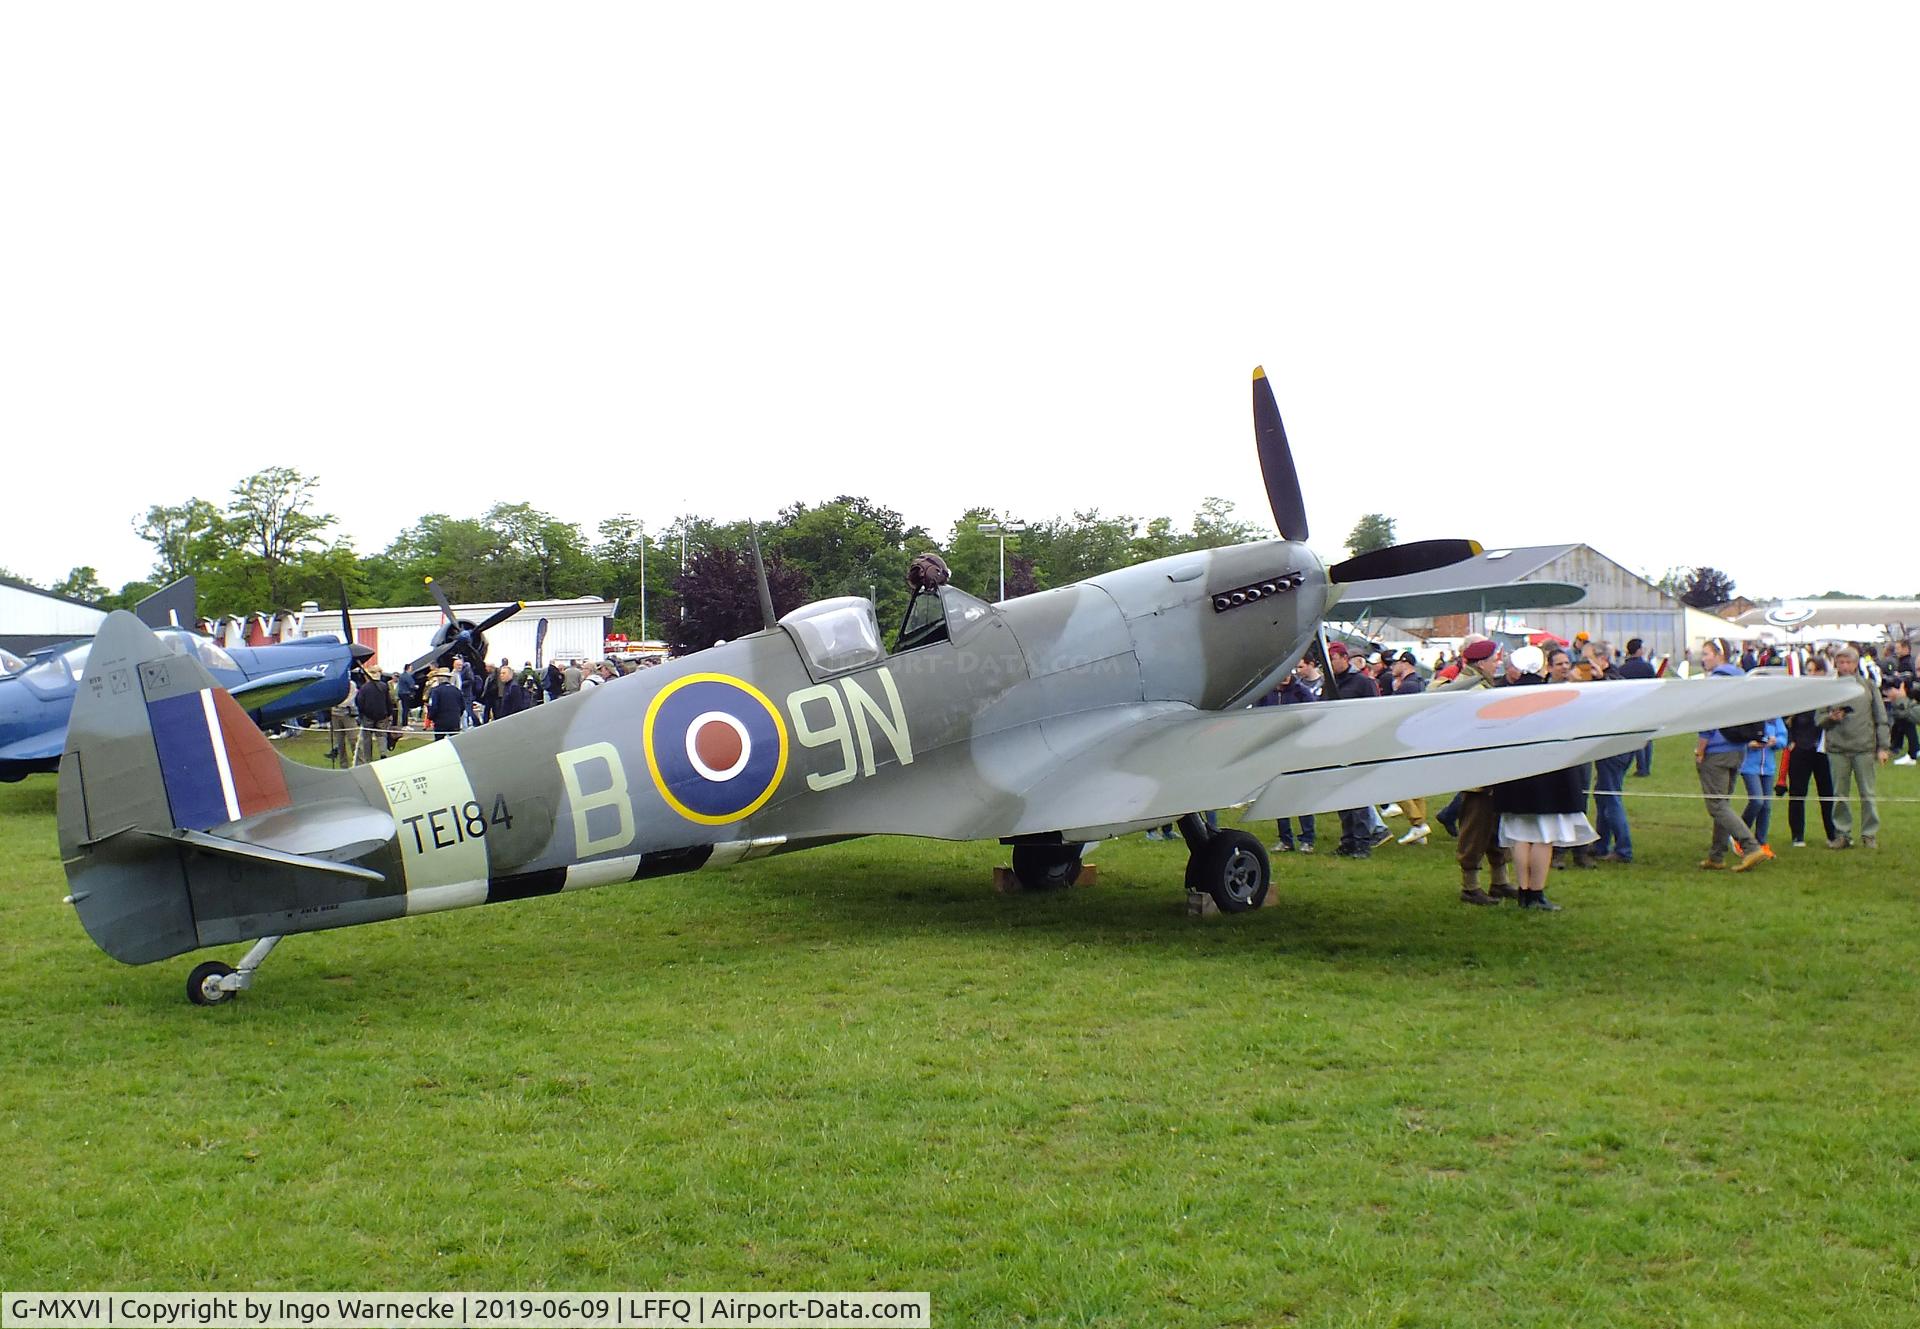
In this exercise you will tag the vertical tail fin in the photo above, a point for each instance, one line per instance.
(154, 748)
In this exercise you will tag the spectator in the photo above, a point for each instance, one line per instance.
(1614, 840)
(406, 693)
(1405, 672)
(1348, 683)
(1560, 669)
(1539, 813)
(1636, 665)
(1756, 774)
(513, 697)
(554, 682)
(1479, 823)
(570, 679)
(1902, 715)
(488, 693)
(1807, 761)
(463, 679)
(1857, 740)
(375, 705)
(446, 705)
(589, 679)
(1718, 759)
(1302, 685)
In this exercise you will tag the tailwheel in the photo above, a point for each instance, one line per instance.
(204, 987)
(1046, 867)
(214, 982)
(1232, 867)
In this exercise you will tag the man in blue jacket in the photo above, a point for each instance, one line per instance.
(1636, 665)
(446, 707)
(1719, 758)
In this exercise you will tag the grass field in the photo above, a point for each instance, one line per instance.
(1688, 1099)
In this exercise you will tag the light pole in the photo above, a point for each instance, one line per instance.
(643, 586)
(1002, 529)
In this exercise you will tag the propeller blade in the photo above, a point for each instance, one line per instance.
(499, 616)
(1276, 461)
(361, 654)
(433, 656)
(440, 597)
(1402, 560)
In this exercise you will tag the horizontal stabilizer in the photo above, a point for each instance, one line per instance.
(259, 853)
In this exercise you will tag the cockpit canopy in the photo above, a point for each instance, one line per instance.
(52, 675)
(843, 633)
(836, 634)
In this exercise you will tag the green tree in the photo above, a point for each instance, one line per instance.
(553, 553)
(624, 542)
(1371, 532)
(1070, 549)
(849, 546)
(1707, 587)
(130, 595)
(469, 558)
(188, 538)
(272, 520)
(1215, 526)
(81, 584)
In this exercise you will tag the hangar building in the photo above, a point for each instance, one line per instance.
(1619, 605)
(31, 618)
(575, 629)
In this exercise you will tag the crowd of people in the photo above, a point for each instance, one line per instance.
(1517, 831)
(382, 707)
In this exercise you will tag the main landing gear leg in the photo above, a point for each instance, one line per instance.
(214, 982)
(1231, 866)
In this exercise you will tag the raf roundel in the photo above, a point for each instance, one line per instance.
(716, 747)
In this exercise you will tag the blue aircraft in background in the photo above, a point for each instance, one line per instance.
(274, 684)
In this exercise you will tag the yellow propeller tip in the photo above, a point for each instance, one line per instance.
(429, 581)
(1476, 546)
(1259, 371)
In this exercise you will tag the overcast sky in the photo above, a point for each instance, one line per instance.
(1642, 276)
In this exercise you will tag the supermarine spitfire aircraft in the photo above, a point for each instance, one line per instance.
(1045, 722)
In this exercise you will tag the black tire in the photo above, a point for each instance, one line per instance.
(197, 989)
(1233, 869)
(1046, 867)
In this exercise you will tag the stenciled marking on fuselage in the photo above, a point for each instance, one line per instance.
(454, 824)
(716, 748)
(442, 854)
(852, 714)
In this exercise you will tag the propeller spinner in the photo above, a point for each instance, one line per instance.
(460, 637)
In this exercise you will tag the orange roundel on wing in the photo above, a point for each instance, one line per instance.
(1526, 701)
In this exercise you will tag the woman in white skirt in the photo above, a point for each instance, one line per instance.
(1539, 813)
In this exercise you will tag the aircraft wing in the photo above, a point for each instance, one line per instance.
(1288, 760)
(268, 688)
(1425, 594)
(34, 754)
(1833, 613)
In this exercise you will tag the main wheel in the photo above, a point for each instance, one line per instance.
(1046, 867)
(203, 984)
(1233, 869)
